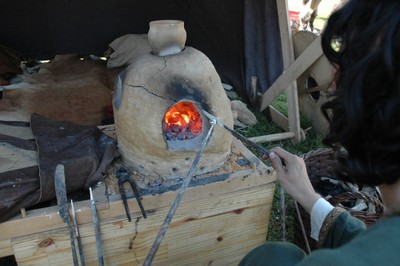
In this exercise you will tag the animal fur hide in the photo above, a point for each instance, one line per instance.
(67, 88)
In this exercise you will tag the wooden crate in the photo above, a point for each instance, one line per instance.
(216, 224)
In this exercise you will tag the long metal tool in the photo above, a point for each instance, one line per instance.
(96, 224)
(245, 140)
(62, 202)
(265, 153)
(179, 196)
(78, 237)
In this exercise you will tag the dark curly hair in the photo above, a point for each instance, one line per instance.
(362, 40)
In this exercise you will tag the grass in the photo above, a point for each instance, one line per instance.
(264, 127)
(313, 141)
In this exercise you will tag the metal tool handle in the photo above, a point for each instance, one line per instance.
(124, 199)
(61, 195)
(73, 248)
(95, 219)
(137, 196)
(179, 196)
(78, 237)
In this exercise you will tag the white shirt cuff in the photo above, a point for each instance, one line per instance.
(319, 211)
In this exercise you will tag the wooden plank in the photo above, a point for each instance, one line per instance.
(13, 158)
(288, 58)
(219, 228)
(302, 63)
(279, 119)
(18, 132)
(46, 219)
(5, 248)
(272, 137)
(41, 220)
(282, 121)
(294, 113)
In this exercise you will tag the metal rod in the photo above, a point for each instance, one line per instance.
(78, 237)
(123, 176)
(73, 248)
(95, 219)
(179, 196)
(124, 200)
(61, 195)
(303, 230)
(137, 196)
(283, 212)
(245, 140)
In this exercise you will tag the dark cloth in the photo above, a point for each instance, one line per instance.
(278, 253)
(18, 189)
(84, 151)
(80, 149)
(347, 243)
(9, 64)
(241, 38)
(262, 44)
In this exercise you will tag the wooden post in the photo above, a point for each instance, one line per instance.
(288, 58)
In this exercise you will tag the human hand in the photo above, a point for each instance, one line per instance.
(292, 174)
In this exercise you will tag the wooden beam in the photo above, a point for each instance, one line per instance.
(279, 119)
(288, 58)
(283, 122)
(272, 137)
(301, 64)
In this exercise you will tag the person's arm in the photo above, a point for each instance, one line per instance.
(292, 175)
(331, 226)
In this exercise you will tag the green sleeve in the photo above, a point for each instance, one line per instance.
(342, 229)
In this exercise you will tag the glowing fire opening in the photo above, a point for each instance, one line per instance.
(182, 122)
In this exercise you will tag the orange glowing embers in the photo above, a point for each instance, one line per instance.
(182, 122)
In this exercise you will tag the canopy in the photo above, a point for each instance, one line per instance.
(241, 37)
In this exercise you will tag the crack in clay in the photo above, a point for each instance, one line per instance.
(165, 64)
(150, 92)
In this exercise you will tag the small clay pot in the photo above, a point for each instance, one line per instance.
(167, 37)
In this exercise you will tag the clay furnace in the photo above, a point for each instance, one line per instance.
(159, 121)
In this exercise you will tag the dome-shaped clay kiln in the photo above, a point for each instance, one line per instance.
(159, 121)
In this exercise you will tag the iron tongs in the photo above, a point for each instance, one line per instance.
(124, 176)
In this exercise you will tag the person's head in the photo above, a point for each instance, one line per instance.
(362, 40)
